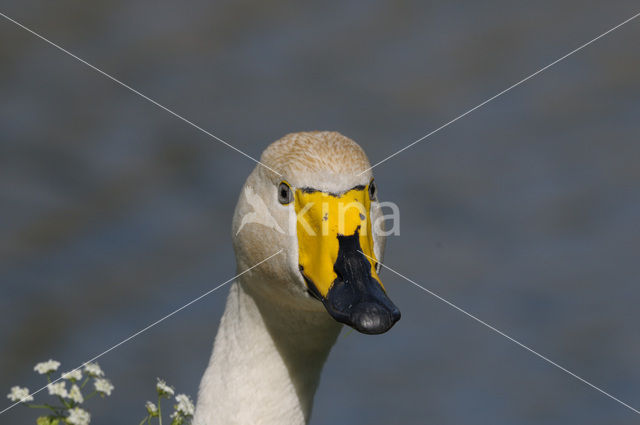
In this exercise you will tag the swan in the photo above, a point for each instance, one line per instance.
(310, 199)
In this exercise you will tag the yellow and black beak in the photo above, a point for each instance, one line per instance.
(335, 245)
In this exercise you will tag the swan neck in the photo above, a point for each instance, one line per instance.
(266, 362)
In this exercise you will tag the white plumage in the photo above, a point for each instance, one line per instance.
(273, 337)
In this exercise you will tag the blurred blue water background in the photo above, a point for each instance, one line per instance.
(114, 213)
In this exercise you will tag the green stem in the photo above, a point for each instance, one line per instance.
(64, 402)
(90, 395)
(85, 382)
(146, 418)
(41, 406)
(159, 410)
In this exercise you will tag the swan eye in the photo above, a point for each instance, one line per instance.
(285, 196)
(373, 191)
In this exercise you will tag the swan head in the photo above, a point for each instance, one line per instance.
(314, 202)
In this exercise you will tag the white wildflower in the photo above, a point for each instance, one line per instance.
(78, 416)
(103, 386)
(93, 369)
(58, 388)
(185, 405)
(46, 367)
(19, 394)
(73, 375)
(163, 388)
(152, 409)
(75, 394)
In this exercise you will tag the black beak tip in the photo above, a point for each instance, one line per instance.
(373, 318)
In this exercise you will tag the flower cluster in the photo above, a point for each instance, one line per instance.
(19, 394)
(103, 386)
(185, 405)
(67, 391)
(66, 409)
(163, 389)
(46, 367)
(183, 410)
